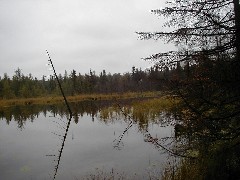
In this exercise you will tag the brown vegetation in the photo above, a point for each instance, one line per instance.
(59, 99)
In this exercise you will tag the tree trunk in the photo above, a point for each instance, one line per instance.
(237, 25)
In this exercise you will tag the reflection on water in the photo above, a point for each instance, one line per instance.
(29, 141)
(29, 112)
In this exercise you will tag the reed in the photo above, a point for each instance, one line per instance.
(76, 98)
(145, 109)
(184, 170)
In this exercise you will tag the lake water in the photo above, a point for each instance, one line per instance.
(29, 146)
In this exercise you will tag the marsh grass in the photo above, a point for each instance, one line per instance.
(142, 111)
(76, 98)
(152, 107)
(184, 170)
(115, 174)
(100, 174)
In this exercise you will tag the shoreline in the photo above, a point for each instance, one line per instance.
(75, 98)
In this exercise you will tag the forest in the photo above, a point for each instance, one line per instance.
(26, 86)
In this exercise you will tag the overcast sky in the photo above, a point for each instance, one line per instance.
(79, 34)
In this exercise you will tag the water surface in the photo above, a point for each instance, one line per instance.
(29, 146)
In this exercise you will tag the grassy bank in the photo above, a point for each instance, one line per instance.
(76, 98)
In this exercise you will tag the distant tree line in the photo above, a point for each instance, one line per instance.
(27, 86)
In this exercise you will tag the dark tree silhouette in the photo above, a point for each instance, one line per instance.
(211, 27)
(207, 34)
(208, 38)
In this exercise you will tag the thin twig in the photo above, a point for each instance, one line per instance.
(69, 120)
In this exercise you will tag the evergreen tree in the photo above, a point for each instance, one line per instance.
(207, 33)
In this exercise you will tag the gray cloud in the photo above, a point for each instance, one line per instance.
(79, 34)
